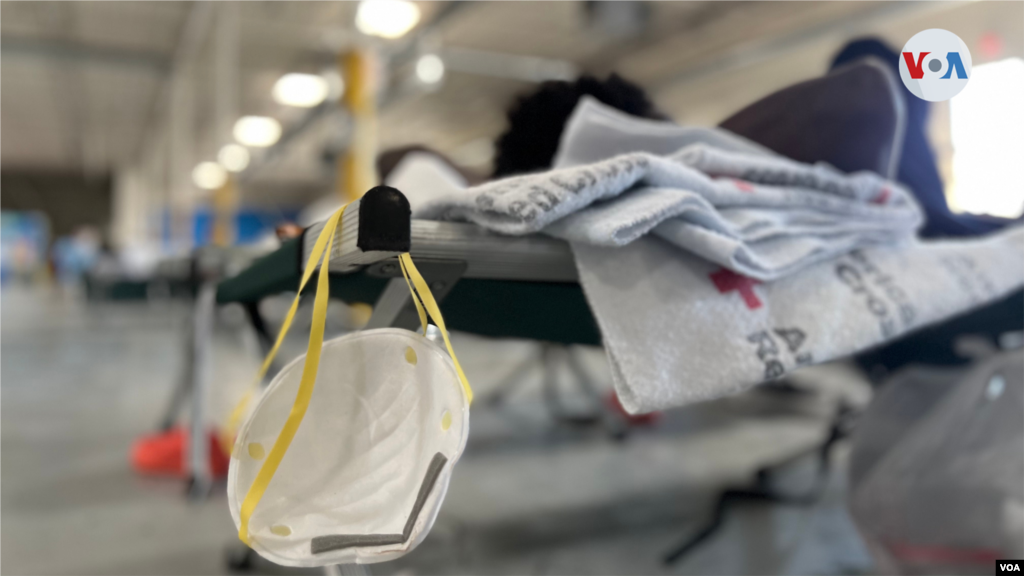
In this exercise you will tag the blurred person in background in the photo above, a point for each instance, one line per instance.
(536, 120)
(74, 255)
(918, 169)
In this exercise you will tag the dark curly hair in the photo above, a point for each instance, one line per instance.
(536, 120)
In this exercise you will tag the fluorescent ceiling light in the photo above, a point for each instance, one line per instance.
(233, 157)
(209, 175)
(386, 18)
(257, 131)
(987, 121)
(430, 69)
(300, 90)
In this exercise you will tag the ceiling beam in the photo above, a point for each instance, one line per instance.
(763, 50)
(503, 65)
(406, 50)
(81, 53)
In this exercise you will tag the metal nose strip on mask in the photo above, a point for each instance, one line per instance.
(322, 544)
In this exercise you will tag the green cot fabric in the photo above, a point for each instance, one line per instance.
(274, 273)
(552, 312)
(116, 290)
(281, 271)
(533, 310)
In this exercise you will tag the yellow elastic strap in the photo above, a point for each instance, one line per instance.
(415, 298)
(420, 292)
(409, 270)
(309, 371)
(235, 418)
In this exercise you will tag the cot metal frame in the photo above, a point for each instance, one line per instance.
(445, 252)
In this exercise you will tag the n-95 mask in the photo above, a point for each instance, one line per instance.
(348, 454)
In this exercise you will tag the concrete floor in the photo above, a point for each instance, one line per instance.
(530, 496)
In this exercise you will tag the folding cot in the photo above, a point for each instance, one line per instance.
(526, 286)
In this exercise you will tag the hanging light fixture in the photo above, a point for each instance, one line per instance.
(387, 18)
(257, 131)
(233, 157)
(209, 175)
(300, 90)
(430, 69)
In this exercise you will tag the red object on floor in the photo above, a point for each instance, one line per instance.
(612, 399)
(163, 454)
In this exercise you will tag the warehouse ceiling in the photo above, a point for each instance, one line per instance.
(84, 84)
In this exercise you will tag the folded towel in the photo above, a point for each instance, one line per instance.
(597, 132)
(679, 329)
(682, 325)
(761, 216)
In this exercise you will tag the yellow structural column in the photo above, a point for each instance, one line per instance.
(225, 206)
(357, 170)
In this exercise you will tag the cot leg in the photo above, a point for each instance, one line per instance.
(615, 425)
(202, 366)
(239, 557)
(552, 398)
(184, 385)
(263, 338)
(393, 301)
(266, 341)
(395, 307)
(497, 396)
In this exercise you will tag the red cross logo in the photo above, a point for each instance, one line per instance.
(743, 185)
(727, 281)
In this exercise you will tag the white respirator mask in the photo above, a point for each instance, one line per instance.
(349, 452)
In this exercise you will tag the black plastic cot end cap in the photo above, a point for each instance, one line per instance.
(384, 220)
